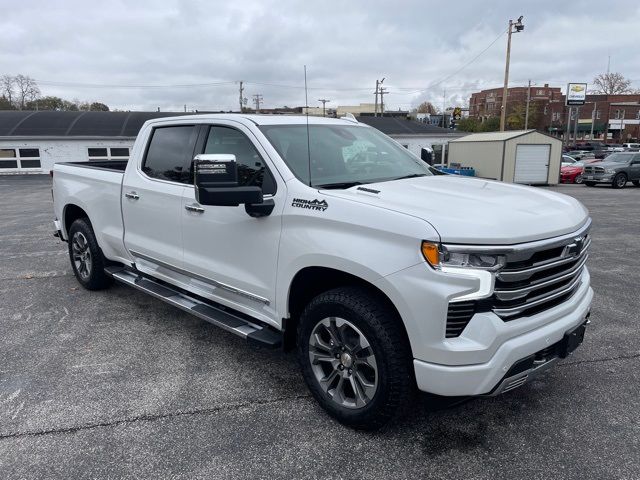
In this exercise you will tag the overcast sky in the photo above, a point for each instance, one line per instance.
(92, 50)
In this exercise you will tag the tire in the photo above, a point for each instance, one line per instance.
(87, 260)
(636, 183)
(578, 179)
(590, 184)
(619, 181)
(361, 324)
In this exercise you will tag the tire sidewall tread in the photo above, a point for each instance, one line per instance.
(380, 325)
(98, 279)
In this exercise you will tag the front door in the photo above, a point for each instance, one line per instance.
(152, 200)
(232, 256)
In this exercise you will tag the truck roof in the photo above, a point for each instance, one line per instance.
(264, 119)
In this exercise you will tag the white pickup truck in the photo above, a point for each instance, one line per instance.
(326, 236)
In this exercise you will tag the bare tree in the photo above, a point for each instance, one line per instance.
(612, 83)
(427, 107)
(8, 88)
(26, 90)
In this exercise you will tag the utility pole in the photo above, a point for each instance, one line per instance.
(375, 110)
(257, 98)
(382, 92)
(241, 95)
(185, 108)
(593, 119)
(323, 100)
(444, 106)
(526, 114)
(518, 28)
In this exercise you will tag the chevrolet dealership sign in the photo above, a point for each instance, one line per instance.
(576, 93)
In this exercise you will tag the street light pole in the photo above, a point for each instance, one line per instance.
(518, 28)
(526, 115)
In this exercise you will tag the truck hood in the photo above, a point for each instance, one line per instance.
(475, 211)
(605, 164)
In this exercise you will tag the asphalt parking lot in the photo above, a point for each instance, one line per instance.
(116, 384)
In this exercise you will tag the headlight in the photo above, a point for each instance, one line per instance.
(438, 257)
(609, 170)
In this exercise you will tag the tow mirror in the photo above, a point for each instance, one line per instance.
(216, 182)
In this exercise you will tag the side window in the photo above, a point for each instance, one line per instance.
(251, 168)
(167, 153)
(636, 158)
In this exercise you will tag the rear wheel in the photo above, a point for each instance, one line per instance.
(619, 181)
(86, 256)
(355, 357)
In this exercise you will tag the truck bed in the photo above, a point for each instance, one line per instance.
(96, 188)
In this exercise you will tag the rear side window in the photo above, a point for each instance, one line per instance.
(168, 151)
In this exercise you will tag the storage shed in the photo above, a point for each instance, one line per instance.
(519, 156)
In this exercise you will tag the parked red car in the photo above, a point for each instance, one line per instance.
(573, 173)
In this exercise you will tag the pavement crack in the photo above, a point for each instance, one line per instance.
(601, 360)
(150, 417)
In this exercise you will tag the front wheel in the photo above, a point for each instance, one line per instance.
(619, 181)
(355, 357)
(86, 256)
(579, 179)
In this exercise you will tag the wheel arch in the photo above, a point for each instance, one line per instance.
(70, 214)
(311, 281)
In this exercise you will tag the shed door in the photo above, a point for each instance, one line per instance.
(532, 164)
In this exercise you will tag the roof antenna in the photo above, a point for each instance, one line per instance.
(306, 102)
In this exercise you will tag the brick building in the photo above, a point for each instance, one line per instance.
(487, 103)
(610, 112)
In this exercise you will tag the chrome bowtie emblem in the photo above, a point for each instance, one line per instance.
(573, 249)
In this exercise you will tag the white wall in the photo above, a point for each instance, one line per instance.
(66, 150)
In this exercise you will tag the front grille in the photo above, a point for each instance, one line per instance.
(590, 169)
(540, 280)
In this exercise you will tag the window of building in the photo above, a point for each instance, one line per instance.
(104, 153)
(539, 92)
(619, 114)
(638, 115)
(252, 171)
(597, 114)
(555, 116)
(167, 153)
(546, 110)
(20, 158)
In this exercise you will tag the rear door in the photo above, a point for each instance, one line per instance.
(532, 164)
(634, 170)
(152, 199)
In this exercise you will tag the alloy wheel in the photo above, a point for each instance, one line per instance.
(81, 255)
(343, 362)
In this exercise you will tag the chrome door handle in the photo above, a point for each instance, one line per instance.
(132, 195)
(194, 208)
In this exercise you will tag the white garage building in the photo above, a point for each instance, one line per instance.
(34, 141)
(519, 156)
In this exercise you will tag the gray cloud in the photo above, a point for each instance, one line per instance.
(346, 45)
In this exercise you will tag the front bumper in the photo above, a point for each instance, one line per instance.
(486, 378)
(598, 177)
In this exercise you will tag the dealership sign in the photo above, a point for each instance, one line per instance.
(576, 93)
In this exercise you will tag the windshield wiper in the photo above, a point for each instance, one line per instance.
(338, 185)
(413, 175)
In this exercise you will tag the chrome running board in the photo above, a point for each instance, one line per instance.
(220, 316)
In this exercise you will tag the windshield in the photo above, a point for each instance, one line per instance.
(342, 156)
(620, 157)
